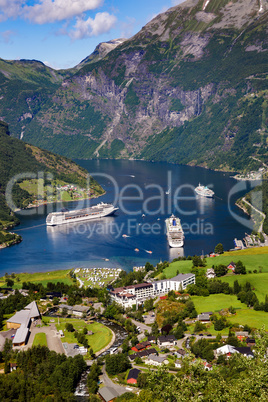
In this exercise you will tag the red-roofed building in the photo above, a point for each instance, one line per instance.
(133, 376)
(141, 346)
(231, 266)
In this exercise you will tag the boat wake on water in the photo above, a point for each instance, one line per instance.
(31, 227)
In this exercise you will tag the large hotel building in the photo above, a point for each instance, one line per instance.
(135, 294)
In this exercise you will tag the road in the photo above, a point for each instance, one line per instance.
(142, 326)
(109, 383)
(261, 213)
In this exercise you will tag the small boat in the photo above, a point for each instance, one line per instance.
(136, 249)
(168, 191)
(149, 251)
(143, 215)
(124, 235)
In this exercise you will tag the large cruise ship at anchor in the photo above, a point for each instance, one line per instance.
(66, 216)
(204, 191)
(175, 234)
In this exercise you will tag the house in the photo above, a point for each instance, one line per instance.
(76, 310)
(166, 340)
(178, 364)
(133, 376)
(210, 273)
(108, 394)
(156, 360)
(207, 366)
(141, 346)
(226, 350)
(245, 351)
(180, 353)
(151, 339)
(231, 266)
(204, 317)
(241, 335)
(143, 353)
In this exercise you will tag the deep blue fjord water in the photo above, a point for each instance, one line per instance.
(142, 188)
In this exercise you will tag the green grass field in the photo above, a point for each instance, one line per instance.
(253, 258)
(40, 339)
(259, 283)
(255, 319)
(243, 316)
(101, 337)
(215, 302)
(40, 277)
(251, 262)
(184, 267)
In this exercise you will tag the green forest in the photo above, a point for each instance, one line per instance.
(16, 157)
(41, 375)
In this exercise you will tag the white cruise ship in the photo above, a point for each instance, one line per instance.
(175, 234)
(204, 191)
(66, 216)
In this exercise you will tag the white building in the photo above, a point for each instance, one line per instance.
(156, 360)
(135, 294)
(178, 283)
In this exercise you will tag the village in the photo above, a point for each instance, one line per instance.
(168, 321)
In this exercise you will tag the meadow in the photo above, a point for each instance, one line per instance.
(40, 339)
(40, 277)
(243, 316)
(101, 337)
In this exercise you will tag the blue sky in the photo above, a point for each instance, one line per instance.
(61, 33)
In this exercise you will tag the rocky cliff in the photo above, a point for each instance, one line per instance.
(190, 87)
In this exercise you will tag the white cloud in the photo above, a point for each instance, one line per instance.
(6, 36)
(10, 8)
(44, 11)
(58, 10)
(102, 23)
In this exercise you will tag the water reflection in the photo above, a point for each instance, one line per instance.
(204, 205)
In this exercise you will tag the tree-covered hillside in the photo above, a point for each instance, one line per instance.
(16, 157)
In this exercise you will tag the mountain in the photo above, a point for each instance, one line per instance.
(17, 157)
(101, 51)
(191, 87)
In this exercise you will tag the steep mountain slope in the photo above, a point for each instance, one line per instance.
(16, 157)
(190, 87)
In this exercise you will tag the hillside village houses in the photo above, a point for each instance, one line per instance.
(135, 294)
(76, 310)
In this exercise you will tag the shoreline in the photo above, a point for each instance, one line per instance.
(55, 202)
